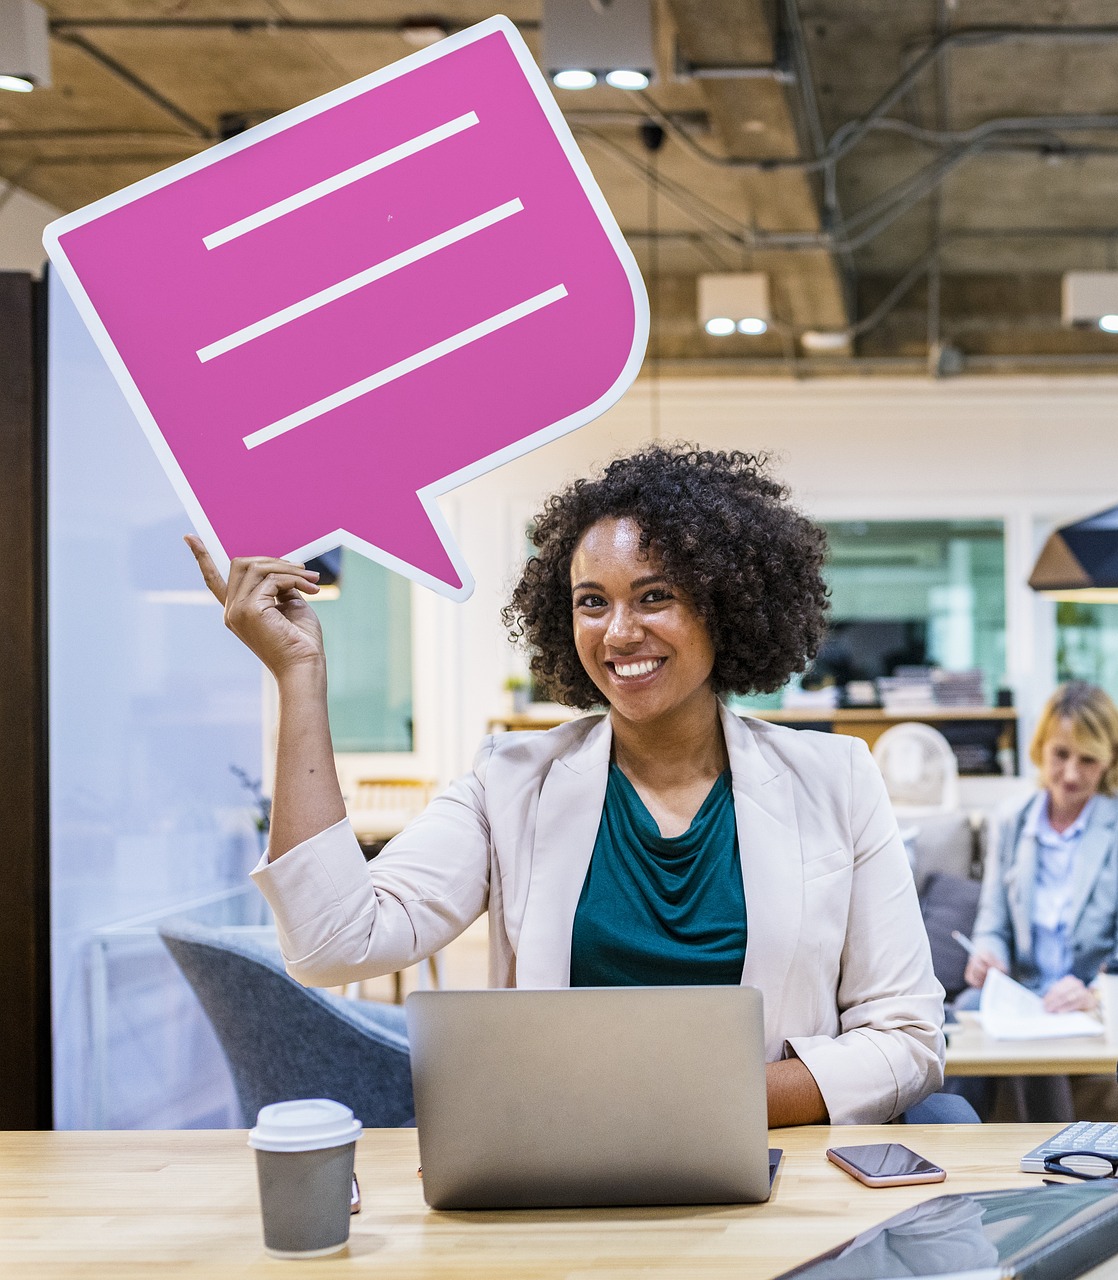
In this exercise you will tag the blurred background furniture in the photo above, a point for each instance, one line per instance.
(283, 1040)
(996, 726)
(919, 769)
(380, 809)
(949, 903)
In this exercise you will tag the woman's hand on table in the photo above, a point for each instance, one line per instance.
(1069, 995)
(265, 608)
(979, 965)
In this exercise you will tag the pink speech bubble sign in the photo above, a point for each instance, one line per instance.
(328, 321)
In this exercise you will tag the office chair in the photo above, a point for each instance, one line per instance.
(283, 1040)
(920, 770)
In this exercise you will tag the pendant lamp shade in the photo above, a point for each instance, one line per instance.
(1080, 560)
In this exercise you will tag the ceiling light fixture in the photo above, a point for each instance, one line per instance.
(420, 33)
(1080, 560)
(624, 79)
(586, 41)
(1090, 298)
(826, 341)
(24, 46)
(734, 302)
(574, 79)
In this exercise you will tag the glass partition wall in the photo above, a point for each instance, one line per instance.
(153, 707)
(911, 593)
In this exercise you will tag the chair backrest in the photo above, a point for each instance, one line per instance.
(382, 807)
(919, 767)
(283, 1040)
(949, 903)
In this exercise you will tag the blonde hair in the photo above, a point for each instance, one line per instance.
(1094, 726)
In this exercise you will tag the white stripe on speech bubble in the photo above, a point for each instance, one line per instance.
(279, 318)
(394, 371)
(339, 180)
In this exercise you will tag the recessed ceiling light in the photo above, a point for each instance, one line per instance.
(720, 326)
(16, 84)
(574, 79)
(1109, 324)
(420, 34)
(753, 325)
(623, 79)
(824, 340)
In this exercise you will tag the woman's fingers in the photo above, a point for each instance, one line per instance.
(210, 575)
(247, 573)
(1068, 995)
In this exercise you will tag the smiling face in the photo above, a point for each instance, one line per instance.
(639, 638)
(1071, 767)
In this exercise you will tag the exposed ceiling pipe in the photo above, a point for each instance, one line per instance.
(847, 136)
(194, 127)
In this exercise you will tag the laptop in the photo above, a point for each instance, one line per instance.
(590, 1096)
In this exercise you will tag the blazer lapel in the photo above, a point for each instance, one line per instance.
(567, 819)
(1023, 873)
(1091, 855)
(771, 864)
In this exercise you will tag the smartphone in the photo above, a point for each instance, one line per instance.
(885, 1164)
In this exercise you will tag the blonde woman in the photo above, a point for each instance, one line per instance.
(1049, 909)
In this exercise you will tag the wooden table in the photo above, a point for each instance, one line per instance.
(104, 1205)
(971, 1052)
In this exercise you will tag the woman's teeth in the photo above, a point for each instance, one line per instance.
(627, 670)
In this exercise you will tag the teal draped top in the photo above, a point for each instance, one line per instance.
(657, 910)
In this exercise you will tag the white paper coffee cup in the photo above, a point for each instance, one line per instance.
(304, 1161)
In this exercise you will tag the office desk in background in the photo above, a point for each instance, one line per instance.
(998, 724)
(101, 1205)
(971, 1052)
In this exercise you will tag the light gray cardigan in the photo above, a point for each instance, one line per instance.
(836, 942)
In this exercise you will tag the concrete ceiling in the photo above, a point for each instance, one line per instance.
(919, 174)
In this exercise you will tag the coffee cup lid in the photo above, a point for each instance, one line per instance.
(306, 1124)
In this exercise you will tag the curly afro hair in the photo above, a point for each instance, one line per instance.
(726, 536)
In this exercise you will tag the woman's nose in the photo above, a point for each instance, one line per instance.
(624, 627)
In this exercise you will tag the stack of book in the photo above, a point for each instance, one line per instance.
(958, 688)
(908, 689)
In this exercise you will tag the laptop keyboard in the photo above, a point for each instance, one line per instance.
(1084, 1135)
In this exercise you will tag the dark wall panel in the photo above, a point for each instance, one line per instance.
(25, 1075)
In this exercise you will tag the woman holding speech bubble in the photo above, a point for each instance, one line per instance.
(668, 841)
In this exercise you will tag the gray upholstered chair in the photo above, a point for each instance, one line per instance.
(283, 1040)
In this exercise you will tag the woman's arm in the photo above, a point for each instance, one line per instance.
(794, 1097)
(264, 608)
(888, 1053)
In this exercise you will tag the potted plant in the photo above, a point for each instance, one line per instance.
(519, 692)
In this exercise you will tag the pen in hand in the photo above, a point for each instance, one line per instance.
(964, 942)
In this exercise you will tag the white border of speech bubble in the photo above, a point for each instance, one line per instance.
(428, 495)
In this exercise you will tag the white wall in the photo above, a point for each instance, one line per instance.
(22, 219)
(1031, 452)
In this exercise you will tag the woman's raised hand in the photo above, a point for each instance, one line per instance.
(264, 607)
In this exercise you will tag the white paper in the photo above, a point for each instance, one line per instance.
(1010, 1011)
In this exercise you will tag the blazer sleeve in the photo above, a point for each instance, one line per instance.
(340, 918)
(890, 1048)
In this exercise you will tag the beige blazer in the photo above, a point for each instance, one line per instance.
(836, 944)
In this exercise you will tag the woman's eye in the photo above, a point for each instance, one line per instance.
(589, 602)
(657, 595)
